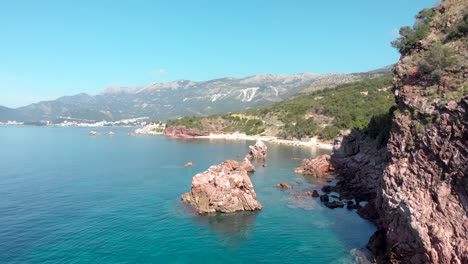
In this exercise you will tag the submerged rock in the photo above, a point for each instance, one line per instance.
(318, 166)
(224, 188)
(351, 205)
(259, 150)
(93, 133)
(247, 165)
(313, 193)
(324, 198)
(284, 185)
(334, 204)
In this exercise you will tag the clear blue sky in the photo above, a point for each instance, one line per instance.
(54, 48)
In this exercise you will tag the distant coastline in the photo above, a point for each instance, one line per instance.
(161, 129)
(158, 129)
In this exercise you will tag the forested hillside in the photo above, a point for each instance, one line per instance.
(323, 113)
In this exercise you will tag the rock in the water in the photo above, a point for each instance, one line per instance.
(259, 150)
(318, 166)
(313, 193)
(351, 205)
(224, 188)
(324, 198)
(247, 165)
(93, 133)
(284, 185)
(181, 132)
(334, 204)
(328, 188)
(189, 164)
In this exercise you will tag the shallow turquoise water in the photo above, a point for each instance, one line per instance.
(69, 198)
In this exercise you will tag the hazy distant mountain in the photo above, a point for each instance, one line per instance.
(384, 69)
(8, 114)
(179, 98)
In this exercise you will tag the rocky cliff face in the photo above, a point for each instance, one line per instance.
(182, 132)
(359, 164)
(423, 194)
(417, 187)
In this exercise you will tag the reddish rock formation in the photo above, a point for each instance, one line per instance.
(224, 188)
(318, 166)
(247, 165)
(259, 150)
(417, 186)
(181, 132)
(424, 188)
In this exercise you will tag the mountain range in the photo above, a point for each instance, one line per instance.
(162, 101)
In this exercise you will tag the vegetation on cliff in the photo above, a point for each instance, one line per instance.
(324, 113)
(416, 187)
(410, 37)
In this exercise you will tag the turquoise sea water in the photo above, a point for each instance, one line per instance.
(66, 197)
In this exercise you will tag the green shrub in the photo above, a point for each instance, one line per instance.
(302, 128)
(379, 127)
(329, 132)
(410, 36)
(188, 122)
(437, 60)
(459, 31)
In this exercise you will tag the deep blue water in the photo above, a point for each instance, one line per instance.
(66, 197)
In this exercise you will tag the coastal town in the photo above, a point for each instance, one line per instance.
(76, 122)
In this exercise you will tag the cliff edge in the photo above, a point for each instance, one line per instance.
(417, 184)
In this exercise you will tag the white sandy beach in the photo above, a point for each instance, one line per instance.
(240, 136)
